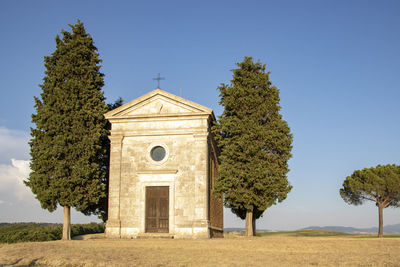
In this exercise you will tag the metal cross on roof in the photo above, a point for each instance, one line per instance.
(158, 80)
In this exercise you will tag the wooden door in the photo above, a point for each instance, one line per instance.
(157, 209)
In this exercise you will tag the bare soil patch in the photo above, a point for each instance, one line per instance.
(273, 250)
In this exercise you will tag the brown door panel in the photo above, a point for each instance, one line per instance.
(157, 209)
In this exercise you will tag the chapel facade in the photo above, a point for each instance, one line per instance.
(163, 165)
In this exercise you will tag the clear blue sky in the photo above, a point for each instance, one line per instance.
(336, 64)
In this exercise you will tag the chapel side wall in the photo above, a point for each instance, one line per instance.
(216, 204)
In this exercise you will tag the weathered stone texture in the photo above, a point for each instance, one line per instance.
(189, 168)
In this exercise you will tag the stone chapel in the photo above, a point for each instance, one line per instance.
(163, 164)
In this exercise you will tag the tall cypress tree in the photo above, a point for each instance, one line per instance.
(255, 144)
(66, 145)
(101, 208)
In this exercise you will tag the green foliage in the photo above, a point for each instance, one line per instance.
(380, 184)
(102, 207)
(119, 102)
(66, 146)
(37, 232)
(254, 142)
(241, 213)
(84, 229)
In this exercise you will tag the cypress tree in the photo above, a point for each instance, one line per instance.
(101, 208)
(66, 145)
(255, 144)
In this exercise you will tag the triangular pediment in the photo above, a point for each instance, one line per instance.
(157, 103)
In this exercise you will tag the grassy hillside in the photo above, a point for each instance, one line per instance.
(323, 233)
(36, 232)
(387, 229)
(316, 233)
(270, 250)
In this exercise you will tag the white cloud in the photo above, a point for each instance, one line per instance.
(12, 177)
(13, 144)
(17, 202)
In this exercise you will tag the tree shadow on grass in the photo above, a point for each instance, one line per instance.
(17, 263)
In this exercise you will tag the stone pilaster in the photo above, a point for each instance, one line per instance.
(114, 189)
(201, 185)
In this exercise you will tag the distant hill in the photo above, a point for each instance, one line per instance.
(387, 229)
(35, 223)
(230, 230)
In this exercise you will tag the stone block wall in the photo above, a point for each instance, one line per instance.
(184, 171)
(182, 128)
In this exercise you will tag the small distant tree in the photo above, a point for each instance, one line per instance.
(255, 144)
(66, 147)
(380, 184)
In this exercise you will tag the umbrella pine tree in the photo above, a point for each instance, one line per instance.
(380, 184)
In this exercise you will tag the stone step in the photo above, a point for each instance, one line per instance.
(155, 236)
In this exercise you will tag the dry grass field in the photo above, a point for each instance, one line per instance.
(270, 250)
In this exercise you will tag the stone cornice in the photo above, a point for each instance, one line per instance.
(198, 109)
(158, 171)
(194, 132)
(145, 117)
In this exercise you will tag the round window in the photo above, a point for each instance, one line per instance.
(157, 153)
